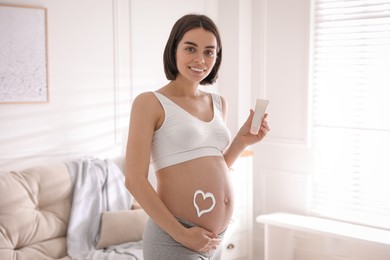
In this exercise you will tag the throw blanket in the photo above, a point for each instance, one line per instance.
(98, 186)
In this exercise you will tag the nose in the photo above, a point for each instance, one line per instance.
(198, 57)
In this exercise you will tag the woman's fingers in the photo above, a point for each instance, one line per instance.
(213, 243)
(264, 122)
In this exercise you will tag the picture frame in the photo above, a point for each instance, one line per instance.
(23, 54)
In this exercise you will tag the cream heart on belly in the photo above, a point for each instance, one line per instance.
(207, 195)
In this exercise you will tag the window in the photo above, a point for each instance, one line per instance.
(350, 90)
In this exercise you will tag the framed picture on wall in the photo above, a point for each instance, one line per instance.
(23, 54)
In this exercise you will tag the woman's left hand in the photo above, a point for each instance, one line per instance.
(244, 133)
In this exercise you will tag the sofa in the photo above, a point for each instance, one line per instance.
(36, 206)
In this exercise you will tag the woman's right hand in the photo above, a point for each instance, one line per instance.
(200, 240)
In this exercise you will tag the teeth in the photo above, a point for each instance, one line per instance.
(196, 69)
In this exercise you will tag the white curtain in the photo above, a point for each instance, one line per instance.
(350, 91)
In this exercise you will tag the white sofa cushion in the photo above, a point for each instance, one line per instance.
(34, 211)
(121, 226)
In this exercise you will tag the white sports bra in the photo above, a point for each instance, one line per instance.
(183, 137)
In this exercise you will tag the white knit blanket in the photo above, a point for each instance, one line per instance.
(98, 186)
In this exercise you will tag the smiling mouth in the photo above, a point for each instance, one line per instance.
(197, 69)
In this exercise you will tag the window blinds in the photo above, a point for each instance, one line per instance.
(350, 80)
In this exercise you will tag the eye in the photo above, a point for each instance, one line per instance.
(209, 53)
(190, 49)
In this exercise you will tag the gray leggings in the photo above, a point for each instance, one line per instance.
(158, 245)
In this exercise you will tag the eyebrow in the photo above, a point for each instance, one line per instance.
(194, 44)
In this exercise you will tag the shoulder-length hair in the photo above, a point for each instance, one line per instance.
(183, 25)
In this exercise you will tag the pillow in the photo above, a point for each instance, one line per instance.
(121, 226)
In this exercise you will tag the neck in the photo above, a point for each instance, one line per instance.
(182, 87)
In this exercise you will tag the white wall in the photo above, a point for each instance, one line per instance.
(280, 62)
(280, 59)
(235, 77)
(88, 84)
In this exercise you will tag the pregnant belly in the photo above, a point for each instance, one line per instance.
(199, 191)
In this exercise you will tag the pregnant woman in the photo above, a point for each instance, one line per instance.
(181, 131)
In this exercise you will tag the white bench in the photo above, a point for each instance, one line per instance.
(313, 225)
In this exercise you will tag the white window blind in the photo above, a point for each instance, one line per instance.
(350, 80)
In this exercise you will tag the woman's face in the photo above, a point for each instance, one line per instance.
(196, 54)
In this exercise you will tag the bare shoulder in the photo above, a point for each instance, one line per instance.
(146, 101)
(145, 98)
(146, 106)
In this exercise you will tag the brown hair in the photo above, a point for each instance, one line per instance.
(183, 25)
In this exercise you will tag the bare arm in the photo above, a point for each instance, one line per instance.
(145, 115)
